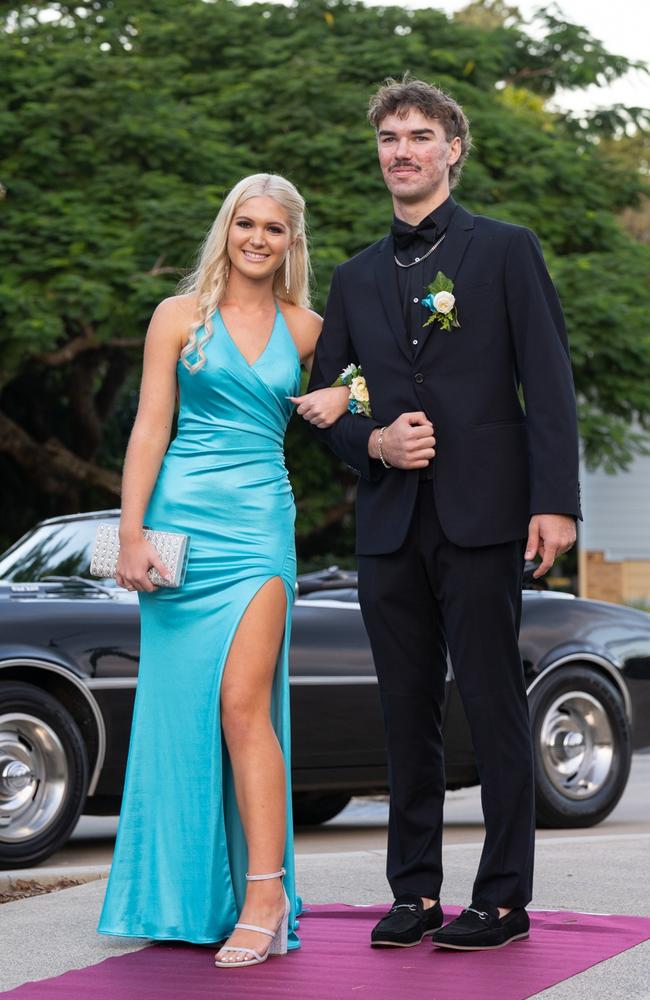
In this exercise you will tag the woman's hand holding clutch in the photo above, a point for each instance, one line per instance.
(136, 558)
(323, 407)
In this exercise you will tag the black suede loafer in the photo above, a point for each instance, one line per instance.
(406, 923)
(479, 928)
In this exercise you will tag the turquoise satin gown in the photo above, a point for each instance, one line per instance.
(180, 854)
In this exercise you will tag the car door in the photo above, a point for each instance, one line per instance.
(337, 726)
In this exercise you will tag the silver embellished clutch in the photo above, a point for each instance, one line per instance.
(172, 547)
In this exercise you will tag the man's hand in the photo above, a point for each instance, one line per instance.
(549, 535)
(408, 442)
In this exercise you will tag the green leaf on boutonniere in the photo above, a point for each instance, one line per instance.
(441, 302)
(440, 284)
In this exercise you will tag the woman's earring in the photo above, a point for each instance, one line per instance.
(287, 271)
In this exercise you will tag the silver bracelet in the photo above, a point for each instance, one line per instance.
(381, 454)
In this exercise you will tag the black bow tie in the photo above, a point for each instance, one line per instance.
(405, 236)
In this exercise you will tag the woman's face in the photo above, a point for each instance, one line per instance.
(259, 237)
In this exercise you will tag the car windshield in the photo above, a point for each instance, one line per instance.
(60, 549)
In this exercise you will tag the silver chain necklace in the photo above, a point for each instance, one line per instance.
(423, 257)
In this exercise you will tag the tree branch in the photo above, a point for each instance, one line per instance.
(158, 268)
(107, 394)
(525, 73)
(71, 350)
(51, 465)
(87, 426)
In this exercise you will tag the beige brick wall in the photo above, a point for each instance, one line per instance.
(619, 582)
(636, 580)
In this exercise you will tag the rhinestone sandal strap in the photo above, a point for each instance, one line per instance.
(249, 951)
(259, 878)
(254, 927)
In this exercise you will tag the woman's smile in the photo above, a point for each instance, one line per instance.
(254, 255)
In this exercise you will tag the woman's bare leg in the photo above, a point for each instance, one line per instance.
(256, 758)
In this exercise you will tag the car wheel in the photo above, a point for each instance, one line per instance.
(312, 808)
(44, 774)
(581, 741)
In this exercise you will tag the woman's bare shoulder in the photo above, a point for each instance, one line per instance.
(304, 326)
(303, 320)
(173, 317)
(179, 308)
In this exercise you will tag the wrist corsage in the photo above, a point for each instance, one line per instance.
(441, 302)
(352, 376)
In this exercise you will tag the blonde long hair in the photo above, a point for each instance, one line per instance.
(209, 279)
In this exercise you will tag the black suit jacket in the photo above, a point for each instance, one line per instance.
(495, 464)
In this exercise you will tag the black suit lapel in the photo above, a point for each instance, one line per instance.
(450, 257)
(458, 238)
(389, 293)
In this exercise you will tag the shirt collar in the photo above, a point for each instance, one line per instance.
(438, 219)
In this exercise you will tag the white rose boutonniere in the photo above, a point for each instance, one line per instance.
(441, 302)
(444, 302)
(353, 377)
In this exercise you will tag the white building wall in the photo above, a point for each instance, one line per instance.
(616, 512)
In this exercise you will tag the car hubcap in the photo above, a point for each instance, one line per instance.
(577, 744)
(33, 776)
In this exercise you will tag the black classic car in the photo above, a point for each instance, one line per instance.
(68, 671)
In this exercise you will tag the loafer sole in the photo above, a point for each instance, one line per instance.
(403, 944)
(481, 947)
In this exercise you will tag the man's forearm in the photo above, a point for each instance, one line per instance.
(349, 439)
(348, 436)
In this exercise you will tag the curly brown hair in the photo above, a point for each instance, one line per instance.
(399, 96)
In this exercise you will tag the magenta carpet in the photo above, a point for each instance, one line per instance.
(336, 962)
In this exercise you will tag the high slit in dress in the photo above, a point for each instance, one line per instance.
(180, 853)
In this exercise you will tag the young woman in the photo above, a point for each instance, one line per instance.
(205, 835)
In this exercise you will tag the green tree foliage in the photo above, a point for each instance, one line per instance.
(122, 125)
(632, 149)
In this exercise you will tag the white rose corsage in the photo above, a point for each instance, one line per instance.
(441, 302)
(353, 377)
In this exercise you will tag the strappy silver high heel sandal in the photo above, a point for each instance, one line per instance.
(279, 936)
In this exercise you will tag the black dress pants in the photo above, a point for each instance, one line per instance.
(416, 602)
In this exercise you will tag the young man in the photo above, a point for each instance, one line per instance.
(458, 481)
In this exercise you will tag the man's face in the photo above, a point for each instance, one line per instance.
(415, 155)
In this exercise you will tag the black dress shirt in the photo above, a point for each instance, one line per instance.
(413, 280)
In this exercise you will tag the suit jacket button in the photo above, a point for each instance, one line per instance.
(419, 377)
